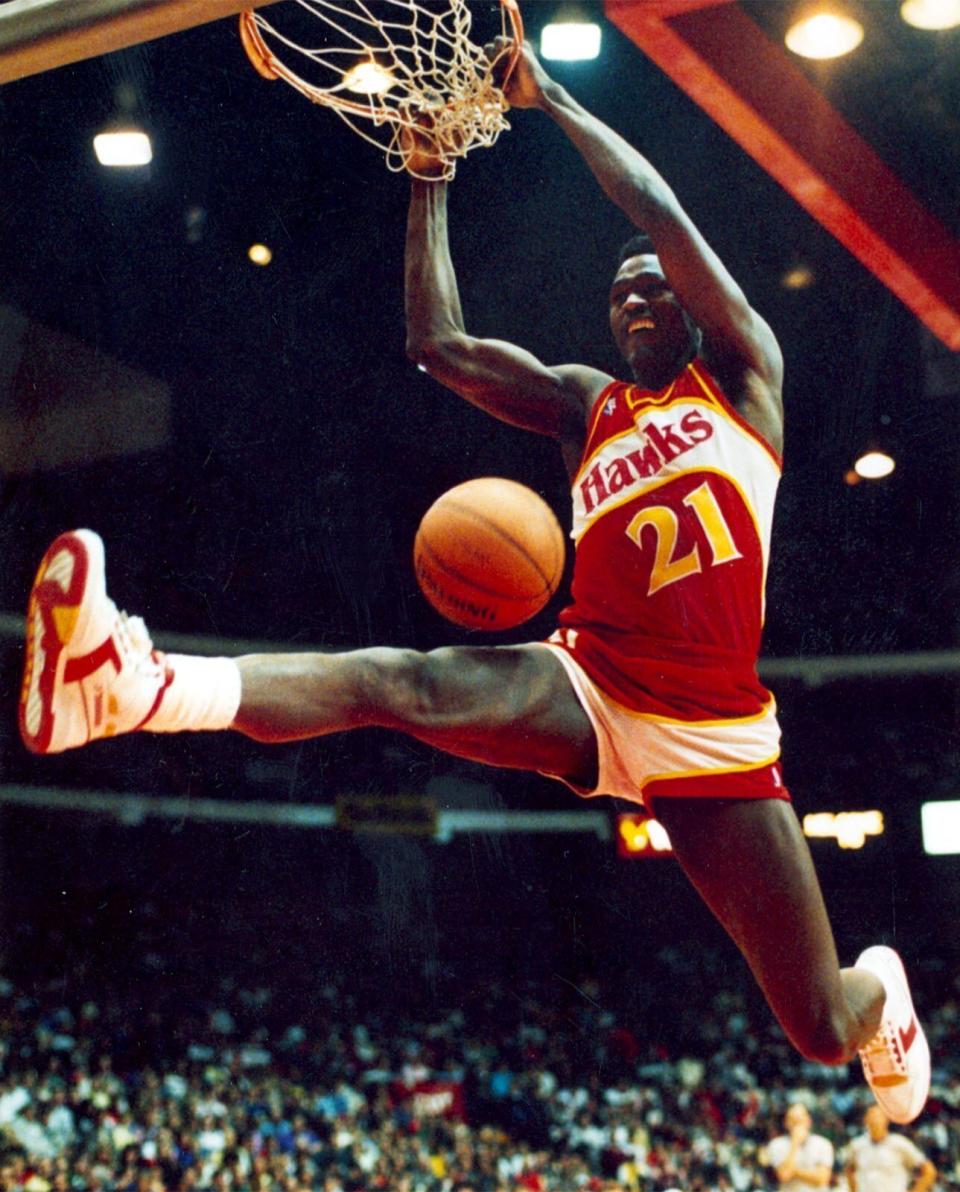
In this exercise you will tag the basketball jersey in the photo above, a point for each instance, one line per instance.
(672, 513)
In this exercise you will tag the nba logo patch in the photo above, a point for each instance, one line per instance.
(610, 406)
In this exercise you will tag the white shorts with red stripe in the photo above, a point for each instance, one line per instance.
(643, 758)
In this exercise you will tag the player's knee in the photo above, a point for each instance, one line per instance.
(387, 683)
(828, 1040)
(406, 685)
(448, 688)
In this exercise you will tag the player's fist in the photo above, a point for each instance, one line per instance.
(422, 156)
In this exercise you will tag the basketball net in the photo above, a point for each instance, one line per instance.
(412, 68)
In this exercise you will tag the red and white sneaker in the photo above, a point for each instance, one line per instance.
(896, 1061)
(91, 671)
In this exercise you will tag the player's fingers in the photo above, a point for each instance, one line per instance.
(500, 54)
(494, 49)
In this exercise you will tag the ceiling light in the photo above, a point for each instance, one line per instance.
(570, 41)
(260, 254)
(940, 823)
(874, 465)
(799, 277)
(368, 78)
(123, 146)
(931, 14)
(824, 33)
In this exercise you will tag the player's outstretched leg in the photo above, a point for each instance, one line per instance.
(750, 862)
(91, 671)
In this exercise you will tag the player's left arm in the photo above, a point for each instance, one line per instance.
(499, 377)
(736, 339)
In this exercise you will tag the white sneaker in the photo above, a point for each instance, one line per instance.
(896, 1061)
(91, 671)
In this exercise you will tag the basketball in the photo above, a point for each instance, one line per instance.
(489, 554)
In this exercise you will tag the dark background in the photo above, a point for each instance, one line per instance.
(304, 448)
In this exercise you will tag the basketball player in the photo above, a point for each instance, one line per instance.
(648, 691)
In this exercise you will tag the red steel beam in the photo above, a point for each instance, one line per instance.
(748, 85)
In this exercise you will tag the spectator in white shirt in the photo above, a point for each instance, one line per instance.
(802, 1160)
(879, 1161)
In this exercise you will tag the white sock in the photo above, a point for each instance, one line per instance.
(204, 694)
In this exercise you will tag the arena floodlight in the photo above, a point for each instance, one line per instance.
(798, 277)
(640, 836)
(874, 465)
(931, 14)
(940, 822)
(368, 78)
(849, 829)
(570, 41)
(824, 32)
(123, 146)
(260, 254)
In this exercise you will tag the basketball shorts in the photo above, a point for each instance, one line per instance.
(644, 758)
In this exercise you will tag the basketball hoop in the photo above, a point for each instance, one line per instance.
(411, 68)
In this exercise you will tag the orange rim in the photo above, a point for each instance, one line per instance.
(516, 25)
(262, 60)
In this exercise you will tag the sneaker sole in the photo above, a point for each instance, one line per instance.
(55, 618)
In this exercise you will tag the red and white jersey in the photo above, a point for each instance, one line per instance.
(672, 513)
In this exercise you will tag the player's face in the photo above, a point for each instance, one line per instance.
(650, 326)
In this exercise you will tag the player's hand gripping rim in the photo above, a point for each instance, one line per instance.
(524, 86)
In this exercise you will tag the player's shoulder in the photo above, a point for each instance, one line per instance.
(583, 382)
(757, 352)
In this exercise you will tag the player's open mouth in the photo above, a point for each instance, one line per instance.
(645, 324)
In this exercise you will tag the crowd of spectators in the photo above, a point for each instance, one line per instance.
(505, 1088)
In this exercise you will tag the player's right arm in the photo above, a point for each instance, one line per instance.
(738, 344)
(501, 378)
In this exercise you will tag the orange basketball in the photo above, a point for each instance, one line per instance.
(489, 554)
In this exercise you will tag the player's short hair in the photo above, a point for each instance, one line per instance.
(639, 245)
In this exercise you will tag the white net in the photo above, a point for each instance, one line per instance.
(399, 72)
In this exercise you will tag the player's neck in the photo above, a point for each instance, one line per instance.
(654, 375)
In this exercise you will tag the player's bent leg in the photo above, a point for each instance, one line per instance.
(750, 863)
(509, 706)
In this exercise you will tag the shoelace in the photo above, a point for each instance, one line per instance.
(136, 645)
(882, 1055)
